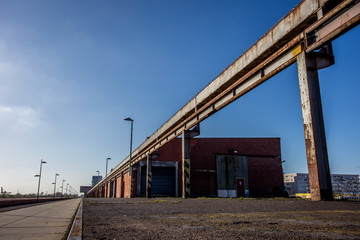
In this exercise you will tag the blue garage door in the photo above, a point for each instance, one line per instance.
(163, 181)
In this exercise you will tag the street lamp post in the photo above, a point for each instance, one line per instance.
(106, 187)
(39, 176)
(98, 178)
(62, 188)
(130, 168)
(107, 165)
(67, 186)
(56, 174)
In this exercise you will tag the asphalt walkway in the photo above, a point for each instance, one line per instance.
(43, 221)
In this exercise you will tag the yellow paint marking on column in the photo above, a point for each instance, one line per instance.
(297, 50)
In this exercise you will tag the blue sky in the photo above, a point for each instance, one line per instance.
(71, 71)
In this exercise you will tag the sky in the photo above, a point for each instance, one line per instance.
(71, 71)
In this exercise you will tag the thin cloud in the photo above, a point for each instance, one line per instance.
(18, 118)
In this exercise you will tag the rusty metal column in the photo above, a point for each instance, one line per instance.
(148, 176)
(186, 164)
(150, 157)
(186, 135)
(316, 150)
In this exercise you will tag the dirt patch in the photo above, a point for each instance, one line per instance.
(173, 218)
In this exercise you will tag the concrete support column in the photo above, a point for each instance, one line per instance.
(148, 176)
(186, 135)
(122, 185)
(316, 150)
(131, 181)
(186, 164)
(114, 187)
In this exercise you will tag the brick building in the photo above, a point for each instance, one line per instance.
(218, 167)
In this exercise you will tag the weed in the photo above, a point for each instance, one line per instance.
(70, 224)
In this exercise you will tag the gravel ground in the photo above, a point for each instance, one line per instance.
(204, 218)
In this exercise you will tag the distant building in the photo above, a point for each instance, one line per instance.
(96, 180)
(296, 183)
(85, 189)
(345, 186)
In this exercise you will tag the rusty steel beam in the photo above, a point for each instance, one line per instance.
(305, 28)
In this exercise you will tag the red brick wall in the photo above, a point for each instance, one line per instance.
(118, 187)
(108, 189)
(126, 185)
(264, 162)
(264, 175)
(203, 184)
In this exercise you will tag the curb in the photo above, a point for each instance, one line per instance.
(76, 228)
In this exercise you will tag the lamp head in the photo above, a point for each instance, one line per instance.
(128, 119)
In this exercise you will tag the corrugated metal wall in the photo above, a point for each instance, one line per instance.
(228, 168)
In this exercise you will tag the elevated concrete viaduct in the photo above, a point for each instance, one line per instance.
(304, 36)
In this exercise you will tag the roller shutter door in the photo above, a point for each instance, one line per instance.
(163, 181)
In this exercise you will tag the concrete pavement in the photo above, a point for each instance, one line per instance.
(44, 221)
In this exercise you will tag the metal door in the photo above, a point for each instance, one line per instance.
(240, 187)
(111, 194)
(163, 181)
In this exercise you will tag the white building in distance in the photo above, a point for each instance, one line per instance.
(345, 186)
